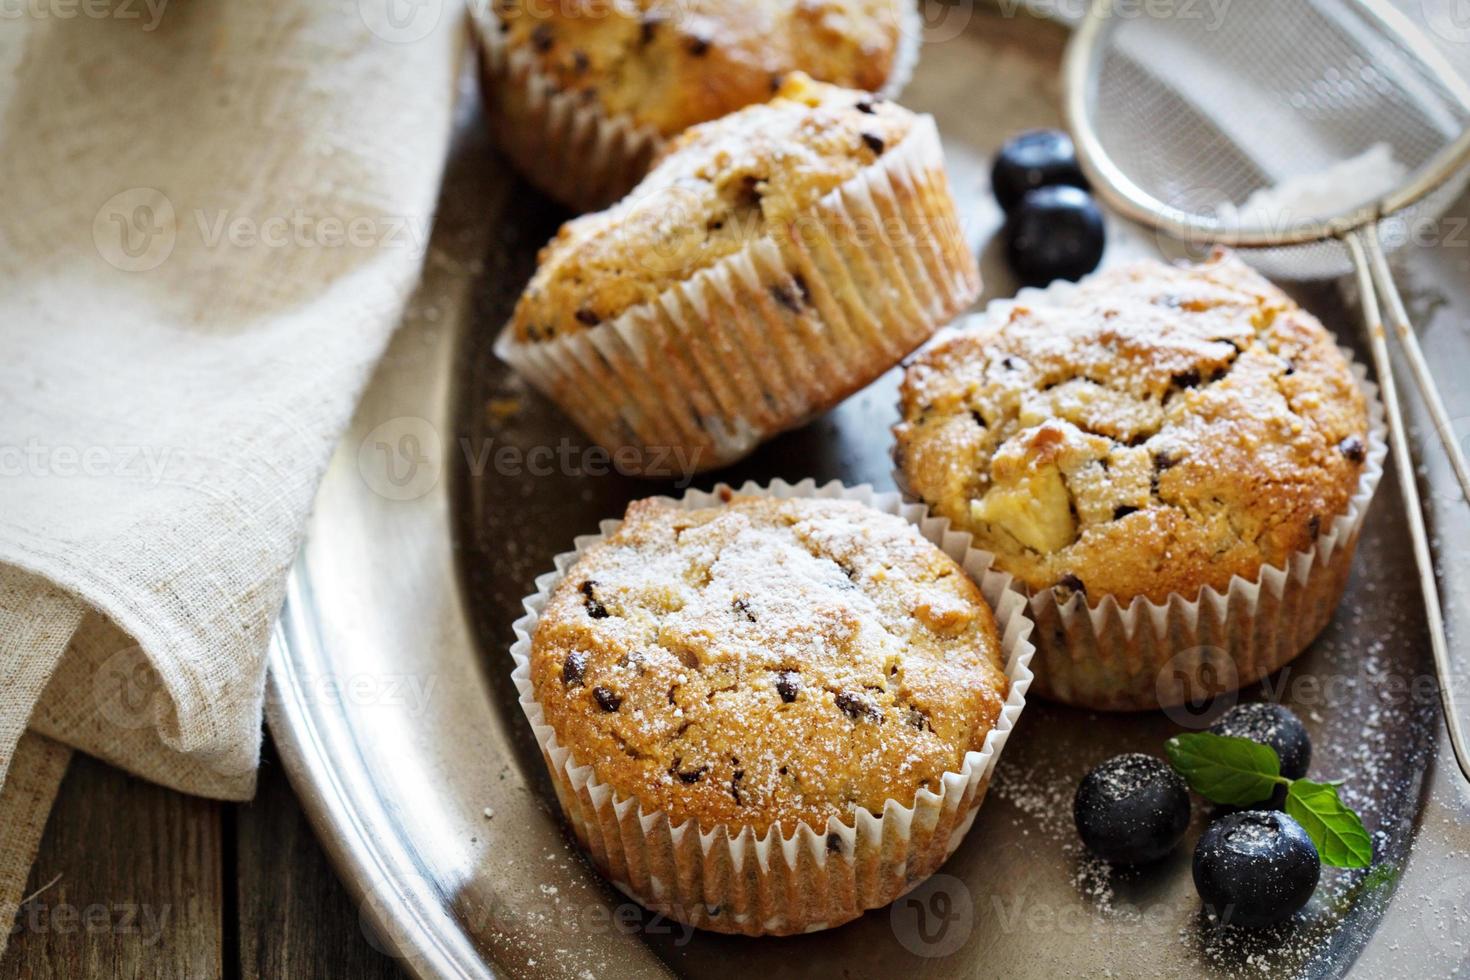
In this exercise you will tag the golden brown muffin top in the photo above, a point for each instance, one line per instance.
(716, 189)
(768, 662)
(1162, 430)
(668, 64)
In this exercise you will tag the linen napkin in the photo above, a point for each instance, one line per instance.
(210, 217)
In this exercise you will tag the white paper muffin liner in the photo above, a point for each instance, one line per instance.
(1148, 655)
(725, 877)
(572, 149)
(775, 333)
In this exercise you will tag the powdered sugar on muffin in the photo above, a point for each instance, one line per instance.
(1162, 430)
(716, 190)
(770, 661)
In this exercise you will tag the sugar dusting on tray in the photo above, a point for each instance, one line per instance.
(1350, 689)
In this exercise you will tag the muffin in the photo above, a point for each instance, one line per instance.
(1173, 461)
(771, 264)
(765, 713)
(582, 93)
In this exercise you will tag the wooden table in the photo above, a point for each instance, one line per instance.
(157, 884)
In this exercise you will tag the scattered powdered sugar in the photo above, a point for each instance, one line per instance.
(1365, 693)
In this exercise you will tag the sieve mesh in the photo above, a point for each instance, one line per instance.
(1200, 108)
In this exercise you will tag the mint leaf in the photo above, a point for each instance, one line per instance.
(1336, 830)
(1225, 769)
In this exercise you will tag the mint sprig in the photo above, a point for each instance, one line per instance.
(1225, 769)
(1239, 772)
(1339, 835)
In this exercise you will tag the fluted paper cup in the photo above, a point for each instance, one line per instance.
(571, 148)
(777, 332)
(727, 878)
(1145, 655)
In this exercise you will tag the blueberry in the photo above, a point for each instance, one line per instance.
(1255, 868)
(1055, 233)
(1276, 726)
(1037, 158)
(1131, 809)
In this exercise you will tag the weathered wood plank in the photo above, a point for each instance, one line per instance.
(139, 892)
(295, 918)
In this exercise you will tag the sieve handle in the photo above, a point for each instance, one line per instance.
(1398, 318)
(1363, 244)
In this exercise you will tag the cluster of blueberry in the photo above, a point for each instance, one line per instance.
(1251, 867)
(1054, 229)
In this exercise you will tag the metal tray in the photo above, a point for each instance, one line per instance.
(391, 703)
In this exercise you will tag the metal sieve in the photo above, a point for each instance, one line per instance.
(1306, 134)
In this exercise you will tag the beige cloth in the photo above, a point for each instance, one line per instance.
(210, 217)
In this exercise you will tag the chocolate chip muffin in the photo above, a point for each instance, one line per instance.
(772, 263)
(582, 93)
(776, 670)
(1156, 433)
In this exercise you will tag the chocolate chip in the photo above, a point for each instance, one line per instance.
(1314, 526)
(541, 38)
(648, 27)
(1290, 369)
(787, 296)
(606, 699)
(919, 720)
(738, 775)
(1352, 447)
(743, 608)
(586, 316)
(1163, 461)
(748, 194)
(1009, 363)
(801, 287)
(874, 143)
(834, 844)
(1071, 583)
(692, 776)
(698, 46)
(1187, 379)
(856, 706)
(788, 685)
(574, 669)
(580, 62)
(865, 107)
(595, 608)
(1123, 510)
(979, 419)
(776, 81)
